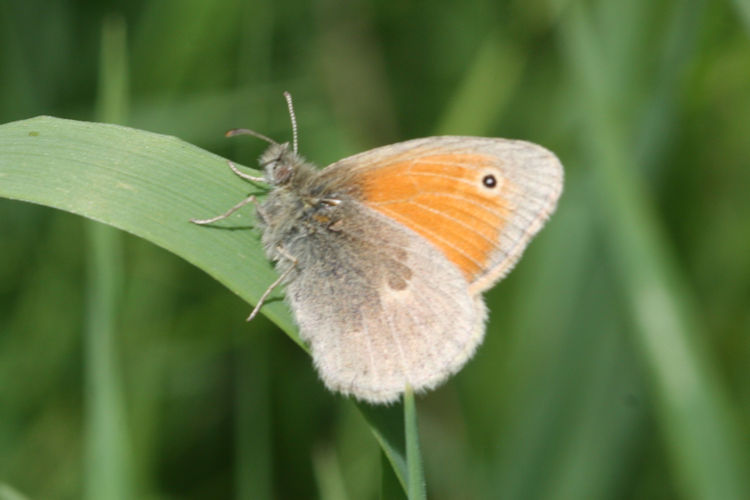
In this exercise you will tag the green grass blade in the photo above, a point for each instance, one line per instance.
(413, 456)
(387, 425)
(106, 429)
(147, 184)
(253, 429)
(390, 487)
(150, 185)
(696, 419)
(107, 461)
(488, 85)
(113, 101)
(328, 474)
(743, 7)
(8, 493)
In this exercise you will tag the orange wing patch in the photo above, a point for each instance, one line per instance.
(442, 198)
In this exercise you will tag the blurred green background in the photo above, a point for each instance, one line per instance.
(617, 357)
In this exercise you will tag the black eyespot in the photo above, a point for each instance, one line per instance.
(489, 181)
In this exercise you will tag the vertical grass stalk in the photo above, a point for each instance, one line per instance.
(416, 483)
(107, 455)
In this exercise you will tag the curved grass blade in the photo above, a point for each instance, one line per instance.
(147, 184)
(150, 185)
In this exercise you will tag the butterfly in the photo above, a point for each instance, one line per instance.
(385, 254)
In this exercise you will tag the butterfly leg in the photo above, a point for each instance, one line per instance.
(245, 176)
(249, 199)
(276, 283)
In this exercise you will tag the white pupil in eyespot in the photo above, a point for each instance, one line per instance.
(489, 181)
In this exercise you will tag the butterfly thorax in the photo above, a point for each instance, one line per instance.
(300, 205)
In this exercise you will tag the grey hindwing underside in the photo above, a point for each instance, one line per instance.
(380, 306)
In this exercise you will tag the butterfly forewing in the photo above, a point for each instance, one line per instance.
(478, 200)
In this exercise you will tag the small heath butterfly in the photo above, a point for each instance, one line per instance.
(385, 254)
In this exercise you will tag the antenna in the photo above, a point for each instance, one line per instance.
(293, 118)
(247, 131)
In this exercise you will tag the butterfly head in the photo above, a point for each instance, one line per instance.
(280, 162)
